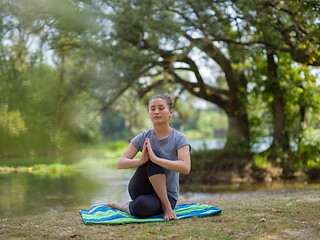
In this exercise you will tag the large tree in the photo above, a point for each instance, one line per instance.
(283, 29)
(227, 33)
(176, 33)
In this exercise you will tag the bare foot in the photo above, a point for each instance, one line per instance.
(124, 207)
(168, 214)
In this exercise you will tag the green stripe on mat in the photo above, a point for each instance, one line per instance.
(101, 214)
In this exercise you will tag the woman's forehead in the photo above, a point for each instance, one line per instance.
(157, 102)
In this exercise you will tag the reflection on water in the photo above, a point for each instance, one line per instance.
(23, 193)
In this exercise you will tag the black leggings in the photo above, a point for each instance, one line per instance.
(145, 202)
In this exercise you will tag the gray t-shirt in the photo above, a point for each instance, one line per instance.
(166, 148)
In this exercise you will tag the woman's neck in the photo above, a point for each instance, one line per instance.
(162, 131)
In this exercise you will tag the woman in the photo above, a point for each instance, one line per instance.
(154, 188)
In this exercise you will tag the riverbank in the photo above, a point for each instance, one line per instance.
(280, 214)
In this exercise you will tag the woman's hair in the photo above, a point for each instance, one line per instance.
(165, 97)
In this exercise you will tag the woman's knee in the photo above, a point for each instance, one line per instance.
(145, 207)
(153, 169)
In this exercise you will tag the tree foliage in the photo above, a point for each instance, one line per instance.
(63, 63)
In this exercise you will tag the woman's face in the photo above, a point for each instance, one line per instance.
(159, 111)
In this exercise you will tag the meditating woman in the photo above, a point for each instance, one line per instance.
(154, 187)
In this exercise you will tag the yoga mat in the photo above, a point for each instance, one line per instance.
(101, 214)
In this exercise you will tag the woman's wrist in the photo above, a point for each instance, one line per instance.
(156, 160)
(128, 163)
(140, 161)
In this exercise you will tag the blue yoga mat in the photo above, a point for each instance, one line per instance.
(101, 214)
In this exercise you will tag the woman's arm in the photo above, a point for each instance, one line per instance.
(182, 165)
(127, 161)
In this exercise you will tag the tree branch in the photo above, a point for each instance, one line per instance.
(193, 88)
(214, 89)
(214, 52)
(143, 91)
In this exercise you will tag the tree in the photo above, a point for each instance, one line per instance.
(102, 49)
(281, 27)
(230, 34)
(35, 94)
(166, 31)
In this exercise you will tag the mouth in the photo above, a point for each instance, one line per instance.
(157, 117)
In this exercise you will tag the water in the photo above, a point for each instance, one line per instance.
(261, 145)
(27, 193)
(218, 143)
(201, 144)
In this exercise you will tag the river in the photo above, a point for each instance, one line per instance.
(29, 193)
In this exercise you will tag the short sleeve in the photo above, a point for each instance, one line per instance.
(138, 141)
(183, 141)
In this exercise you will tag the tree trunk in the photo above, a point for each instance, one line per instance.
(238, 128)
(303, 118)
(280, 145)
(238, 131)
(280, 135)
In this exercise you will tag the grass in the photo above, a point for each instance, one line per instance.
(283, 215)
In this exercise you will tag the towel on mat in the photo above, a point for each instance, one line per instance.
(101, 214)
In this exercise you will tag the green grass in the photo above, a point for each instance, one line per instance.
(284, 215)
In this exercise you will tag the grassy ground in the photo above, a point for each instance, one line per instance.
(283, 214)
